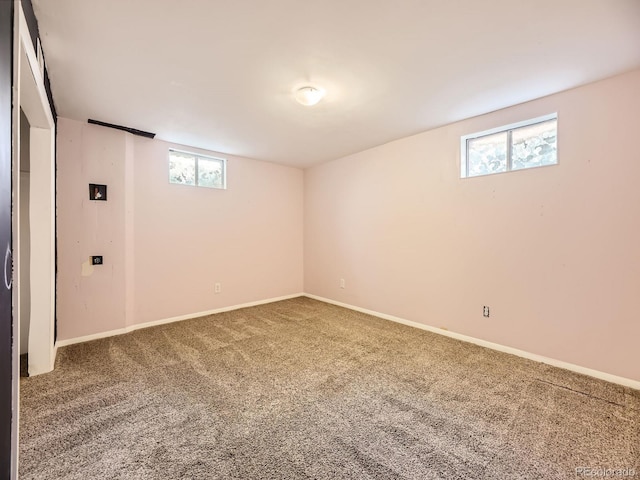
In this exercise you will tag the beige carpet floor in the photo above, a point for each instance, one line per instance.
(304, 390)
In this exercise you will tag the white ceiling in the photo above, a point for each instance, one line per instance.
(220, 74)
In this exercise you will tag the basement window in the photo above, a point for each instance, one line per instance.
(528, 144)
(197, 170)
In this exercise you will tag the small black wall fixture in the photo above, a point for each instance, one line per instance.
(97, 192)
(125, 129)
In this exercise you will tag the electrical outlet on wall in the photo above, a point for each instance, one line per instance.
(342, 283)
(485, 311)
(217, 288)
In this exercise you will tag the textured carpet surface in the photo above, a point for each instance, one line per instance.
(302, 389)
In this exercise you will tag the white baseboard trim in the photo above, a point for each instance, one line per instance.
(458, 336)
(131, 328)
(494, 346)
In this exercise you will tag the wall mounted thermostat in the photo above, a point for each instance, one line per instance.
(96, 260)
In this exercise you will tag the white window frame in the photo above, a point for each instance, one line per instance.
(198, 156)
(464, 144)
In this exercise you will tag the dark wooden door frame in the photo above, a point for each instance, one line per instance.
(8, 382)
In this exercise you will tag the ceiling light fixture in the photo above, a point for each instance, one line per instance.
(309, 95)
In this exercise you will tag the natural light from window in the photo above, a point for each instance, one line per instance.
(528, 144)
(196, 170)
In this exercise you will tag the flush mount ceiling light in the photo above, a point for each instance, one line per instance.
(309, 95)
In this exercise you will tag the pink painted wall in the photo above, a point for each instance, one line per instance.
(554, 251)
(96, 302)
(247, 237)
(165, 246)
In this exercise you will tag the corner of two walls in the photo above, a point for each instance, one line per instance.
(165, 245)
(553, 251)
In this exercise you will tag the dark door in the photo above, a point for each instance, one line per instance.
(6, 340)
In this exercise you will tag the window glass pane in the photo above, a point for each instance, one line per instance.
(535, 145)
(182, 168)
(210, 172)
(487, 154)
